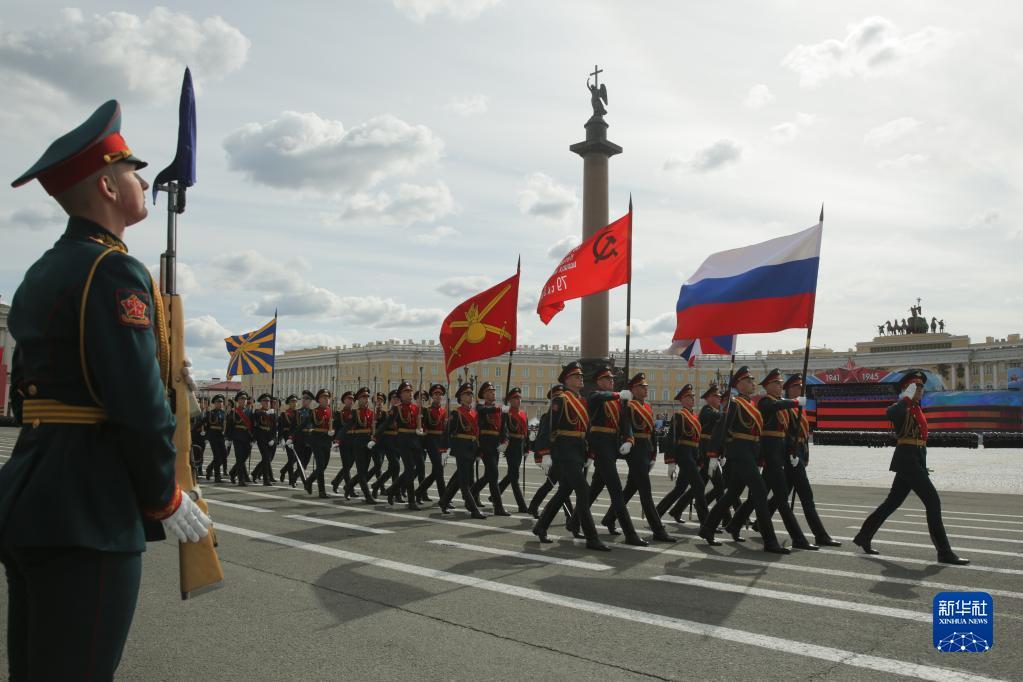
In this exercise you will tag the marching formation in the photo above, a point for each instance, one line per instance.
(736, 443)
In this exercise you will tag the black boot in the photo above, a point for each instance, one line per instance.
(708, 535)
(777, 549)
(662, 536)
(636, 541)
(804, 544)
(826, 541)
(952, 558)
(541, 534)
(864, 545)
(595, 543)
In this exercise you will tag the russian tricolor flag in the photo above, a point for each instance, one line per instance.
(761, 288)
(715, 345)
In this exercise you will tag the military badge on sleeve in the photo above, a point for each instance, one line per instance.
(133, 308)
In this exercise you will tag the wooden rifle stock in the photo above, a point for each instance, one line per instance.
(200, 567)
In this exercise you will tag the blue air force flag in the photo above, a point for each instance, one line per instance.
(252, 353)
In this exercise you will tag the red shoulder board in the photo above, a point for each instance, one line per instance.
(133, 308)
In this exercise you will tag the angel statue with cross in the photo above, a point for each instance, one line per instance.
(597, 93)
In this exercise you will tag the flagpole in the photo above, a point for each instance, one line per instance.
(628, 298)
(806, 364)
(273, 367)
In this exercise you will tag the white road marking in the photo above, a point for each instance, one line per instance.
(965, 550)
(339, 524)
(825, 602)
(924, 523)
(235, 505)
(588, 565)
(915, 509)
(731, 635)
(951, 535)
(924, 516)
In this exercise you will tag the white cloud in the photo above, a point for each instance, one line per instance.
(662, 324)
(721, 154)
(544, 198)
(461, 10)
(35, 217)
(471, 105)
(407, 205)
(891, 131)
(304, 150)
(205, 333)
(465, 286)
(528, 301)
(904, 161)
(562, 246)
(758, 97)
(290, 338)
(125, 53)
(436, 235)
(789, 131)
(870, 48)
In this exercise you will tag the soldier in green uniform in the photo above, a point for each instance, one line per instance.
(91, 477)
(264, 418)
(682, 455)
(216, 422)
(198, 429)
(542, 458)
(240, 430)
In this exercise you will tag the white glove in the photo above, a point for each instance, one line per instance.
(545, 464)
(794, 460)
(444, 459)
(625, 448)
(625, 394)
(289, 442)
(271, 442)
(505, 409)
(714, 466)
(270, 411)
(370, 445)
(420, 432)
(586, 466)
(671, 471)
(801, 400)
(909, 392)
(330, 433)
(187, 523)
(186, 375)
(532, 436)
(501, 448)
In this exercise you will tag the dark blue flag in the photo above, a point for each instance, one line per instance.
(182, 168)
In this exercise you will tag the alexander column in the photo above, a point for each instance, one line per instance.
(596, 149)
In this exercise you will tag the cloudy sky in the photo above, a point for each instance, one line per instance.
(365, 165)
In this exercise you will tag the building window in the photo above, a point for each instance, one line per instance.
(497, 371)
(664, 394)
(525, 371)
(486, 370)
(540, 393)
(395, 369)
(525, 389)
(408, 368)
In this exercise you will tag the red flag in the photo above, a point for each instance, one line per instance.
(482, 326)
(602, 262)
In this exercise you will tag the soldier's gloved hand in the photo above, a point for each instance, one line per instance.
(532, 436)
(625, 394)
(270, 411)
(289, 442)
(187, 523)
(794, 460)
(545, 465)
(505, 409)
(186, 375)
(420, 432)
(330, 433)
(908, 392)
(801, 400)
(444, 458)
(714, 465)
(502, 447)
(671, 471)
(625, 448)
(370, 445)
(271, 443)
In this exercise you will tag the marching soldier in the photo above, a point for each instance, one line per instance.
(384, 439)
(91, 477)
(641, 458)
(303, 436)
(404, 420)
(359, 430)
(569, 422)
(463, 435)
(435, 423)
(341, 421)
(289, 432)
(379, 416)
(740, 430)
(320, 439)
(775, 412)
(265, 420)
(610, 436)
(239, 430)
(542, 458)
(909, 462)
(797, 443)
(710, 469)
(516, 429)
(491, 425)
(197, 427)
(215, 425)
(682, 455)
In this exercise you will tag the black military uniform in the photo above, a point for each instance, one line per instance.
(516, 430)
(709, 416)
(303, 435)
(197, 426)
(377, 453)
(797, 445)
(739, 430)
(542, 448)
(775, 412)
(265, 421)
(385, 435)
(909, 462)
(684, 451)
(463, 435)
(93, 470)
(289, 433)
(341, 420)
(240, 430)
(492, 432)
(359, 431)
(404, 420)
(215, 422)
(435, 442)
(607, 431)
(569, 422)
(640, 459)
(321, 439)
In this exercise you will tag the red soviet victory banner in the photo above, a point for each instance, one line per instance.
(602, 262)
(482, 326)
